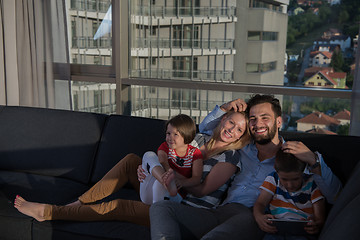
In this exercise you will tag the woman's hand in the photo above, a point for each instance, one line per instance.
(141, 173)
(238, 105)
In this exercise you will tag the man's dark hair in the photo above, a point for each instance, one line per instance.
(287, 162)
(259, 99)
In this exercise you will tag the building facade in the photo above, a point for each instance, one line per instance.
(215, 41)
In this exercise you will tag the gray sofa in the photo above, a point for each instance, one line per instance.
(54, 156)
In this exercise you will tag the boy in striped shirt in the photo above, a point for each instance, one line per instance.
(289, 193)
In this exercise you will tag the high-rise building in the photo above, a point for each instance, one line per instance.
(215, 41)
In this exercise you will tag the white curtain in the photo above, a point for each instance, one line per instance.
(34, 62)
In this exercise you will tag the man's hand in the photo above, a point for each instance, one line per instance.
(238, 105)
(300, 150)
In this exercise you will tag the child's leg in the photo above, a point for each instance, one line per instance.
(151, 164)
(159, 191)
(146, 195)
(169, 181)
(119, 209)
(124, 171)
(150, 161)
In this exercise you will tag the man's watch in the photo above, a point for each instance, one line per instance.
(317, 162)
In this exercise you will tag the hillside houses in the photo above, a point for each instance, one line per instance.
(318, 122)
(320, 59)
(327, 79)
(343, 117)
(319, 72)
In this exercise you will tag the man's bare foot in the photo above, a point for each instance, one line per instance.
(76, 203)
(32, 209)
(169, 181)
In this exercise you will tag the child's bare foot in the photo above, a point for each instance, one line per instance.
(76, 203)
(169, 181)
(32, 209)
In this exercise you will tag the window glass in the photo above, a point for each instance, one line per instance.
(94, 97)
(252, 36)
(91, 35)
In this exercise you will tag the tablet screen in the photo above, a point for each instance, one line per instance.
(289, 226)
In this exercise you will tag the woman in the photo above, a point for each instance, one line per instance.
(231, 133)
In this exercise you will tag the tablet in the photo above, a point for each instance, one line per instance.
(290, 226)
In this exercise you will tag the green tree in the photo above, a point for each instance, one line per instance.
(343, 17)
(343, 129)
(337, 60)
(324, 12)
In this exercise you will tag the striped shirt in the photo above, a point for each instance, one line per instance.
(213, 199)
(182, 165)
(292, 205)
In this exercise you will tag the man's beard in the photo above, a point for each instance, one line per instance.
(262, 140)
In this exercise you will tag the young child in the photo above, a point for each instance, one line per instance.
(290, 194)
(175, 155)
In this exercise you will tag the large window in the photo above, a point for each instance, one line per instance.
(160, 58)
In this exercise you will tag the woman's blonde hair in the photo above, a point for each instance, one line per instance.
(238, 144)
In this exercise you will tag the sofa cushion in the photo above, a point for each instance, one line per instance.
(346, 199)
(58, 191)
(123, 135)
(13, 224)
(346, 225)
(39, 188)
(49, 142)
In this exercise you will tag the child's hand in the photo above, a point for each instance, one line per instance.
(312, 227)
(265, 224)
(141, 173)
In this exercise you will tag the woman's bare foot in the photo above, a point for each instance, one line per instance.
(169, 181)
(76, 203)
(32, 209)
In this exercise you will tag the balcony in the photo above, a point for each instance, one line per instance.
(161, 11)
(183, 43)
(90, 43)
(196, 75)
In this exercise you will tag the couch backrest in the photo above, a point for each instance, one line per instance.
(339, 152)
(343, 219)
(49, 142)
(123, 135)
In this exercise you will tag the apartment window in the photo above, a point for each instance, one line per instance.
(95, 27)
(153, 31)
(252, 68)
(265, 67)
(264, 5)
(153, 61)
(270, 36)
(152, 90)
(257, 68)
(97, 60)
(262, 36)
(254, 35)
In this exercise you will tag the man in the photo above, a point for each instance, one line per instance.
(234, 219)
